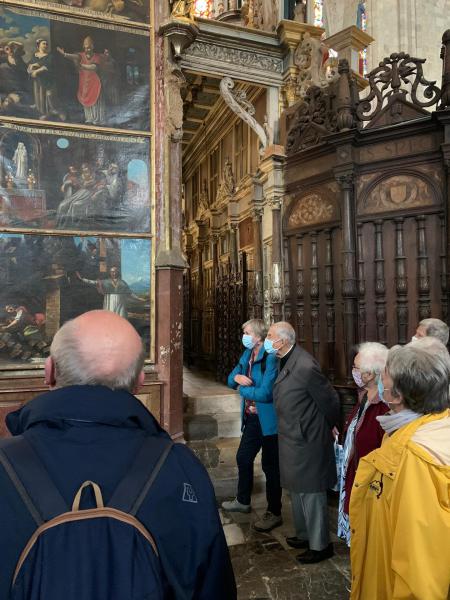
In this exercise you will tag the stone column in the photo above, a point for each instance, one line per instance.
(169, 261)
(277, 267)
(349, 281)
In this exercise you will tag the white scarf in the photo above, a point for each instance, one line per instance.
(390, 422)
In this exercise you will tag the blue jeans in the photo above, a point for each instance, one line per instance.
(252, 441)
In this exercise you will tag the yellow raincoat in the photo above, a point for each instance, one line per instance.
(400, 515)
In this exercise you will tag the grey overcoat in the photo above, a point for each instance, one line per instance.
(307, 409)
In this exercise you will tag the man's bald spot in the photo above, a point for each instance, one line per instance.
(106, 340)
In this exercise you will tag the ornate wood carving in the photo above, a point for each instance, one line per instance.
(312, 209)
(401, 282)
(361, 286)
(345, 103)
(330, 308)
(314, 294)
(300, 290)
(423, 275)
(314, 119)
(287, 287)
(388, 102)
(380, 283)
(445, 55)
(237, 101)
(397, 192)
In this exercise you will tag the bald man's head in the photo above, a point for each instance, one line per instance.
(96, 348)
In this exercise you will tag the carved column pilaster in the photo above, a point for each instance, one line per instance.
(277, 268)
(445, 55)
(234, 253)
(349, 280)
(345, 118)
(258, 300)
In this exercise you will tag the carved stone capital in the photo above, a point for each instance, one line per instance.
(257, 213)
(275, 203)
(345, 180)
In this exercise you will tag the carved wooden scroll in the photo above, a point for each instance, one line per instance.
(237, 101)
(396, 88)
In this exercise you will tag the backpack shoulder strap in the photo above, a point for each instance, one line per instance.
(31, 479)
(134, 487)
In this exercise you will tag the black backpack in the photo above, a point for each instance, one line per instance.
(102, 553)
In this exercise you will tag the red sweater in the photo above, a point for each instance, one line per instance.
(367, 438)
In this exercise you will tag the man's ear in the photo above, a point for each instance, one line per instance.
(139, 382)
(50, 372)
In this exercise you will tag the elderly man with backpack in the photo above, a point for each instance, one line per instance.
(96, 502)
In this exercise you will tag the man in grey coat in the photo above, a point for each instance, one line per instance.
(307, 409)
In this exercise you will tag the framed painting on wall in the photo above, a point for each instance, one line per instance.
(58, 68)
(71, 181)
(47, 280)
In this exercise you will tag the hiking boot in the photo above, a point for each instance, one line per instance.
(236, 506)
(268, 522)
(314, 556)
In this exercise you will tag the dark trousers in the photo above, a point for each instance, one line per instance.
(252, 441)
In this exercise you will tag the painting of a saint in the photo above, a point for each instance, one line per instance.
(67, 71)
(51, 180)
(54, 279)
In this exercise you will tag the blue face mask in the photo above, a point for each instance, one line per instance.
(248, 341)
(268, 346)
(381, 390)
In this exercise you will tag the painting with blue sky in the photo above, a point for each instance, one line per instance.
(47, 280)
(59, 181)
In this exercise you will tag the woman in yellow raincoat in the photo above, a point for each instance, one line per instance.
(400, 502)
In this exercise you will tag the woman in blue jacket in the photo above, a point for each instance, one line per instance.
(254, 376)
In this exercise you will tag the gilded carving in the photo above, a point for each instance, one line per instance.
(397, 193)
(310, 210)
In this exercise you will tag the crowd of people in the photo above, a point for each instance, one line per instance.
(149, 506)
(394, 455)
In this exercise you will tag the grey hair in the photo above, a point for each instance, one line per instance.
(436, 328)
(257, 326)
(421, 375)
(373, 357)
(285, 331)
(73, 368)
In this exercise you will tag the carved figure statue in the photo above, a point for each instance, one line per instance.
(312, 60)
(203, 200)
(228, 178)
(300, 11)
(20, 160)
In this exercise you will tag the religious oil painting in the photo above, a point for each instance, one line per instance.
(55, 68)
(47, 280)
(72, 181)
(117, 10)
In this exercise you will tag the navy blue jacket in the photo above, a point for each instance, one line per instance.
(261, 390)
(93, 433)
